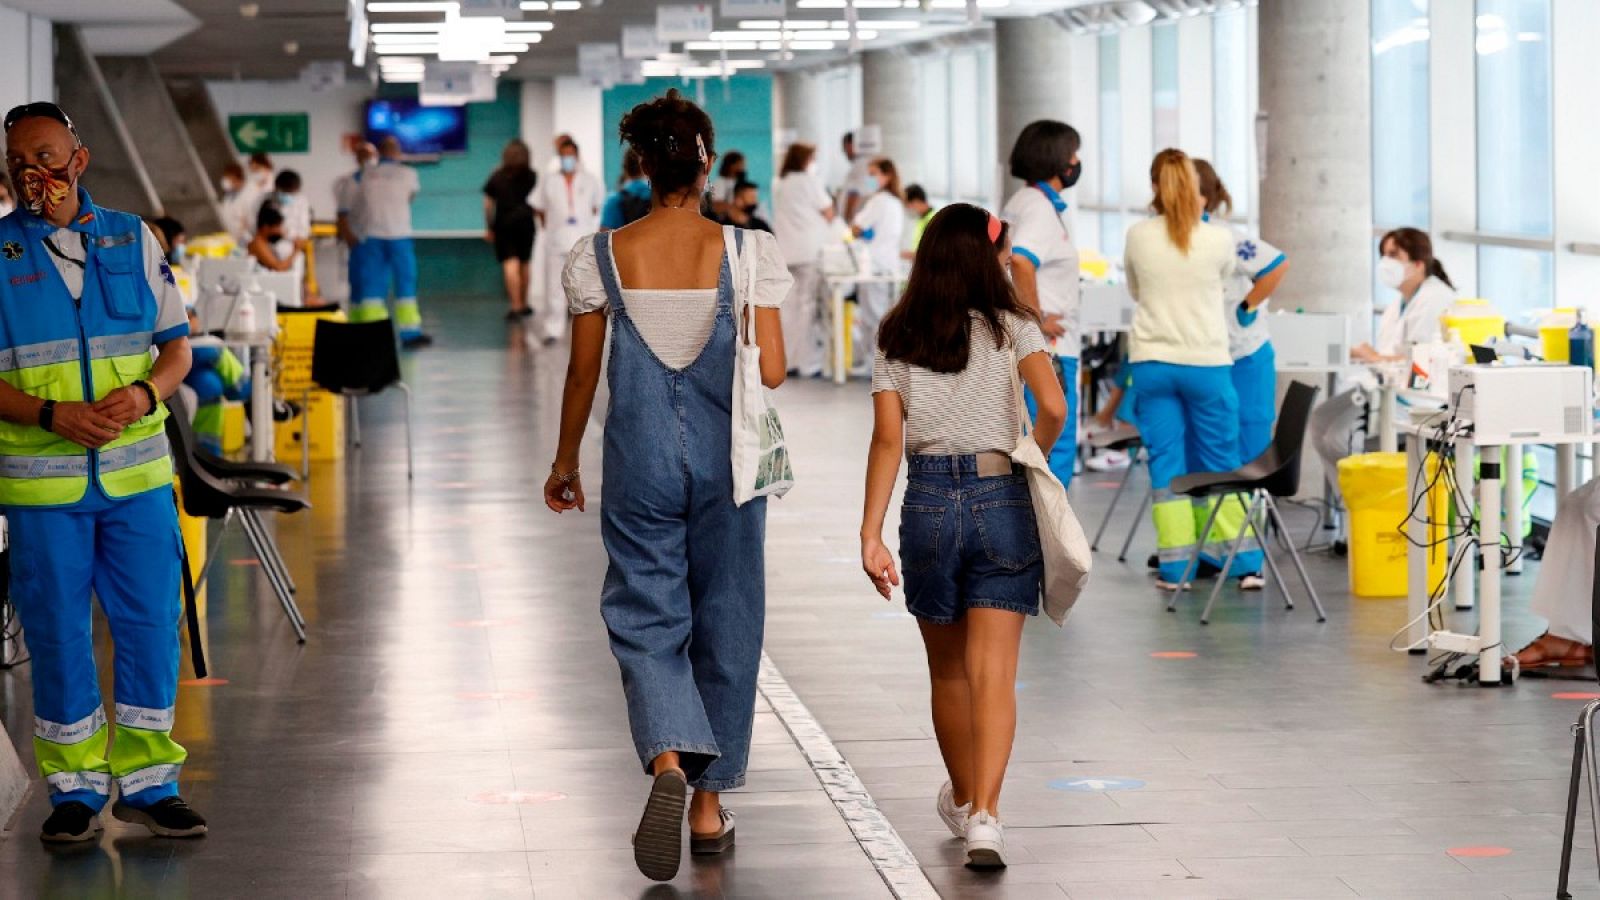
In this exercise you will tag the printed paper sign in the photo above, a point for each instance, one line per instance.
(683, 23)
(455, 83)
(323, 74)
(642, 42)
(869, 140)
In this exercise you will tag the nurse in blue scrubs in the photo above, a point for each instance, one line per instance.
(1259, 268)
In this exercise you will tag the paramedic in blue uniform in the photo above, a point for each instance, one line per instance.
(86, 481)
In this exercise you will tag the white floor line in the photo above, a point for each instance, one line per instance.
(878, 839)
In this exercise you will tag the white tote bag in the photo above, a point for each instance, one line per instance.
(1065, 548)
(760, 457)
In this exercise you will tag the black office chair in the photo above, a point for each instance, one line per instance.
(354, 360)
(1273, 474)
(211, 496)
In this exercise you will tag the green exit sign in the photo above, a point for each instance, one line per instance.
(270, 132)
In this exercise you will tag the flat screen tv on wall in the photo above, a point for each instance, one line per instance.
(421, 130)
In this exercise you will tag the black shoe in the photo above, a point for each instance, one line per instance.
(70, 823)
(1203, 570)
(525, 312)
(416, 341)
(165, 818)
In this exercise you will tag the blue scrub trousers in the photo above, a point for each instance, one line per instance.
(128, 553)
(1255, 380)
(386, 261)
(1189, 419)
(356, 263)
(1064, 455)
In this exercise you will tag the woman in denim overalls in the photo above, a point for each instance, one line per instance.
(684, 597)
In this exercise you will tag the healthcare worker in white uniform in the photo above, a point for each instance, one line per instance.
(568, 207)
(881, 222)
(802, 212)
(1258, 269)
(1044, 261)
(1409, 267)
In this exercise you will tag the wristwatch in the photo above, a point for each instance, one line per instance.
(47, 415)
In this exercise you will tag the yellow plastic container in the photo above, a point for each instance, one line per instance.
(193, 530)
(233, 430)
(1376, 495)
(1474, 320)
(1553, 333)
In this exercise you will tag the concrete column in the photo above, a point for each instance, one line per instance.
(801, 110)
(889, 94)
(1031, 59)
(1316, 199)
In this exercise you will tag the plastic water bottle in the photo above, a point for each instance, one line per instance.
(1580, 344)
(244, 321)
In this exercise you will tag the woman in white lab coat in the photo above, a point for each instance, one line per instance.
(1409, 267)
(800, 222)
(881, 222)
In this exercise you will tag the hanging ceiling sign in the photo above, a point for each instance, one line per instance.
(600, 64)
(510, 10)
(455, 83)
(683, 23)
(755, 9)
(323, 74)
(869, 140)
(642, 42)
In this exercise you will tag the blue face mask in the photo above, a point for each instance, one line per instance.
(284, 199)
(569, 164)
(178, 254)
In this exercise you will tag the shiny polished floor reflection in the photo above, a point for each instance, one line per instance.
(455, 725)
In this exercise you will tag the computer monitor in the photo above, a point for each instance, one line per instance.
(421, 130)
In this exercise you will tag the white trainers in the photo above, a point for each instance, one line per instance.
(986, 842)
(1107, 461)
(1252, 583)
(954, 817)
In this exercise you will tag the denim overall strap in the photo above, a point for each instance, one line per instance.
(608, 274)
(684, 599)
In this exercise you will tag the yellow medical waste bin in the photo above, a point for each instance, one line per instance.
(1378, 499)
(323, 420)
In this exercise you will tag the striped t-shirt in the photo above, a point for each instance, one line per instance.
(971, 411)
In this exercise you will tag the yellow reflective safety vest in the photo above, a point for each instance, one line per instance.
(55, 348)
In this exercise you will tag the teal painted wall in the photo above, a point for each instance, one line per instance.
(740, 110)
(452, 188)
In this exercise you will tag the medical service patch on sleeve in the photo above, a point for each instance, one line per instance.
(1247, 250)
(166, 274)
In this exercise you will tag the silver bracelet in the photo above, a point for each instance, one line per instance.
(566, 479)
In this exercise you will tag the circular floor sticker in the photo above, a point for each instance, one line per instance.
(1095, 785)
(1173, 654)
(517, 798)
(1575, 695)
(204, 682)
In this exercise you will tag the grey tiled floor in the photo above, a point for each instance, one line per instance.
(455, 726)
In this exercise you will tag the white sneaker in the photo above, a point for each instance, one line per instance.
(1252, 583)
(954, 817)
(986, 842)
(1107, 461)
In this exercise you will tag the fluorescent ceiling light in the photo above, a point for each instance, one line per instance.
(404, 78)
(859, 4)
(566, 5)
(773, 24)
(535, 6)
(962, 4)
(403, 27)
(798, 45)
(394, 6)
(879, 24)
(716, 46)
(407, 49)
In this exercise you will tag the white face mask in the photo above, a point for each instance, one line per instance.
(1391, 272)
(812, 168)
(7, 208)
(229, 185)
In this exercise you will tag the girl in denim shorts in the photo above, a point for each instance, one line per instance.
(945, 394)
